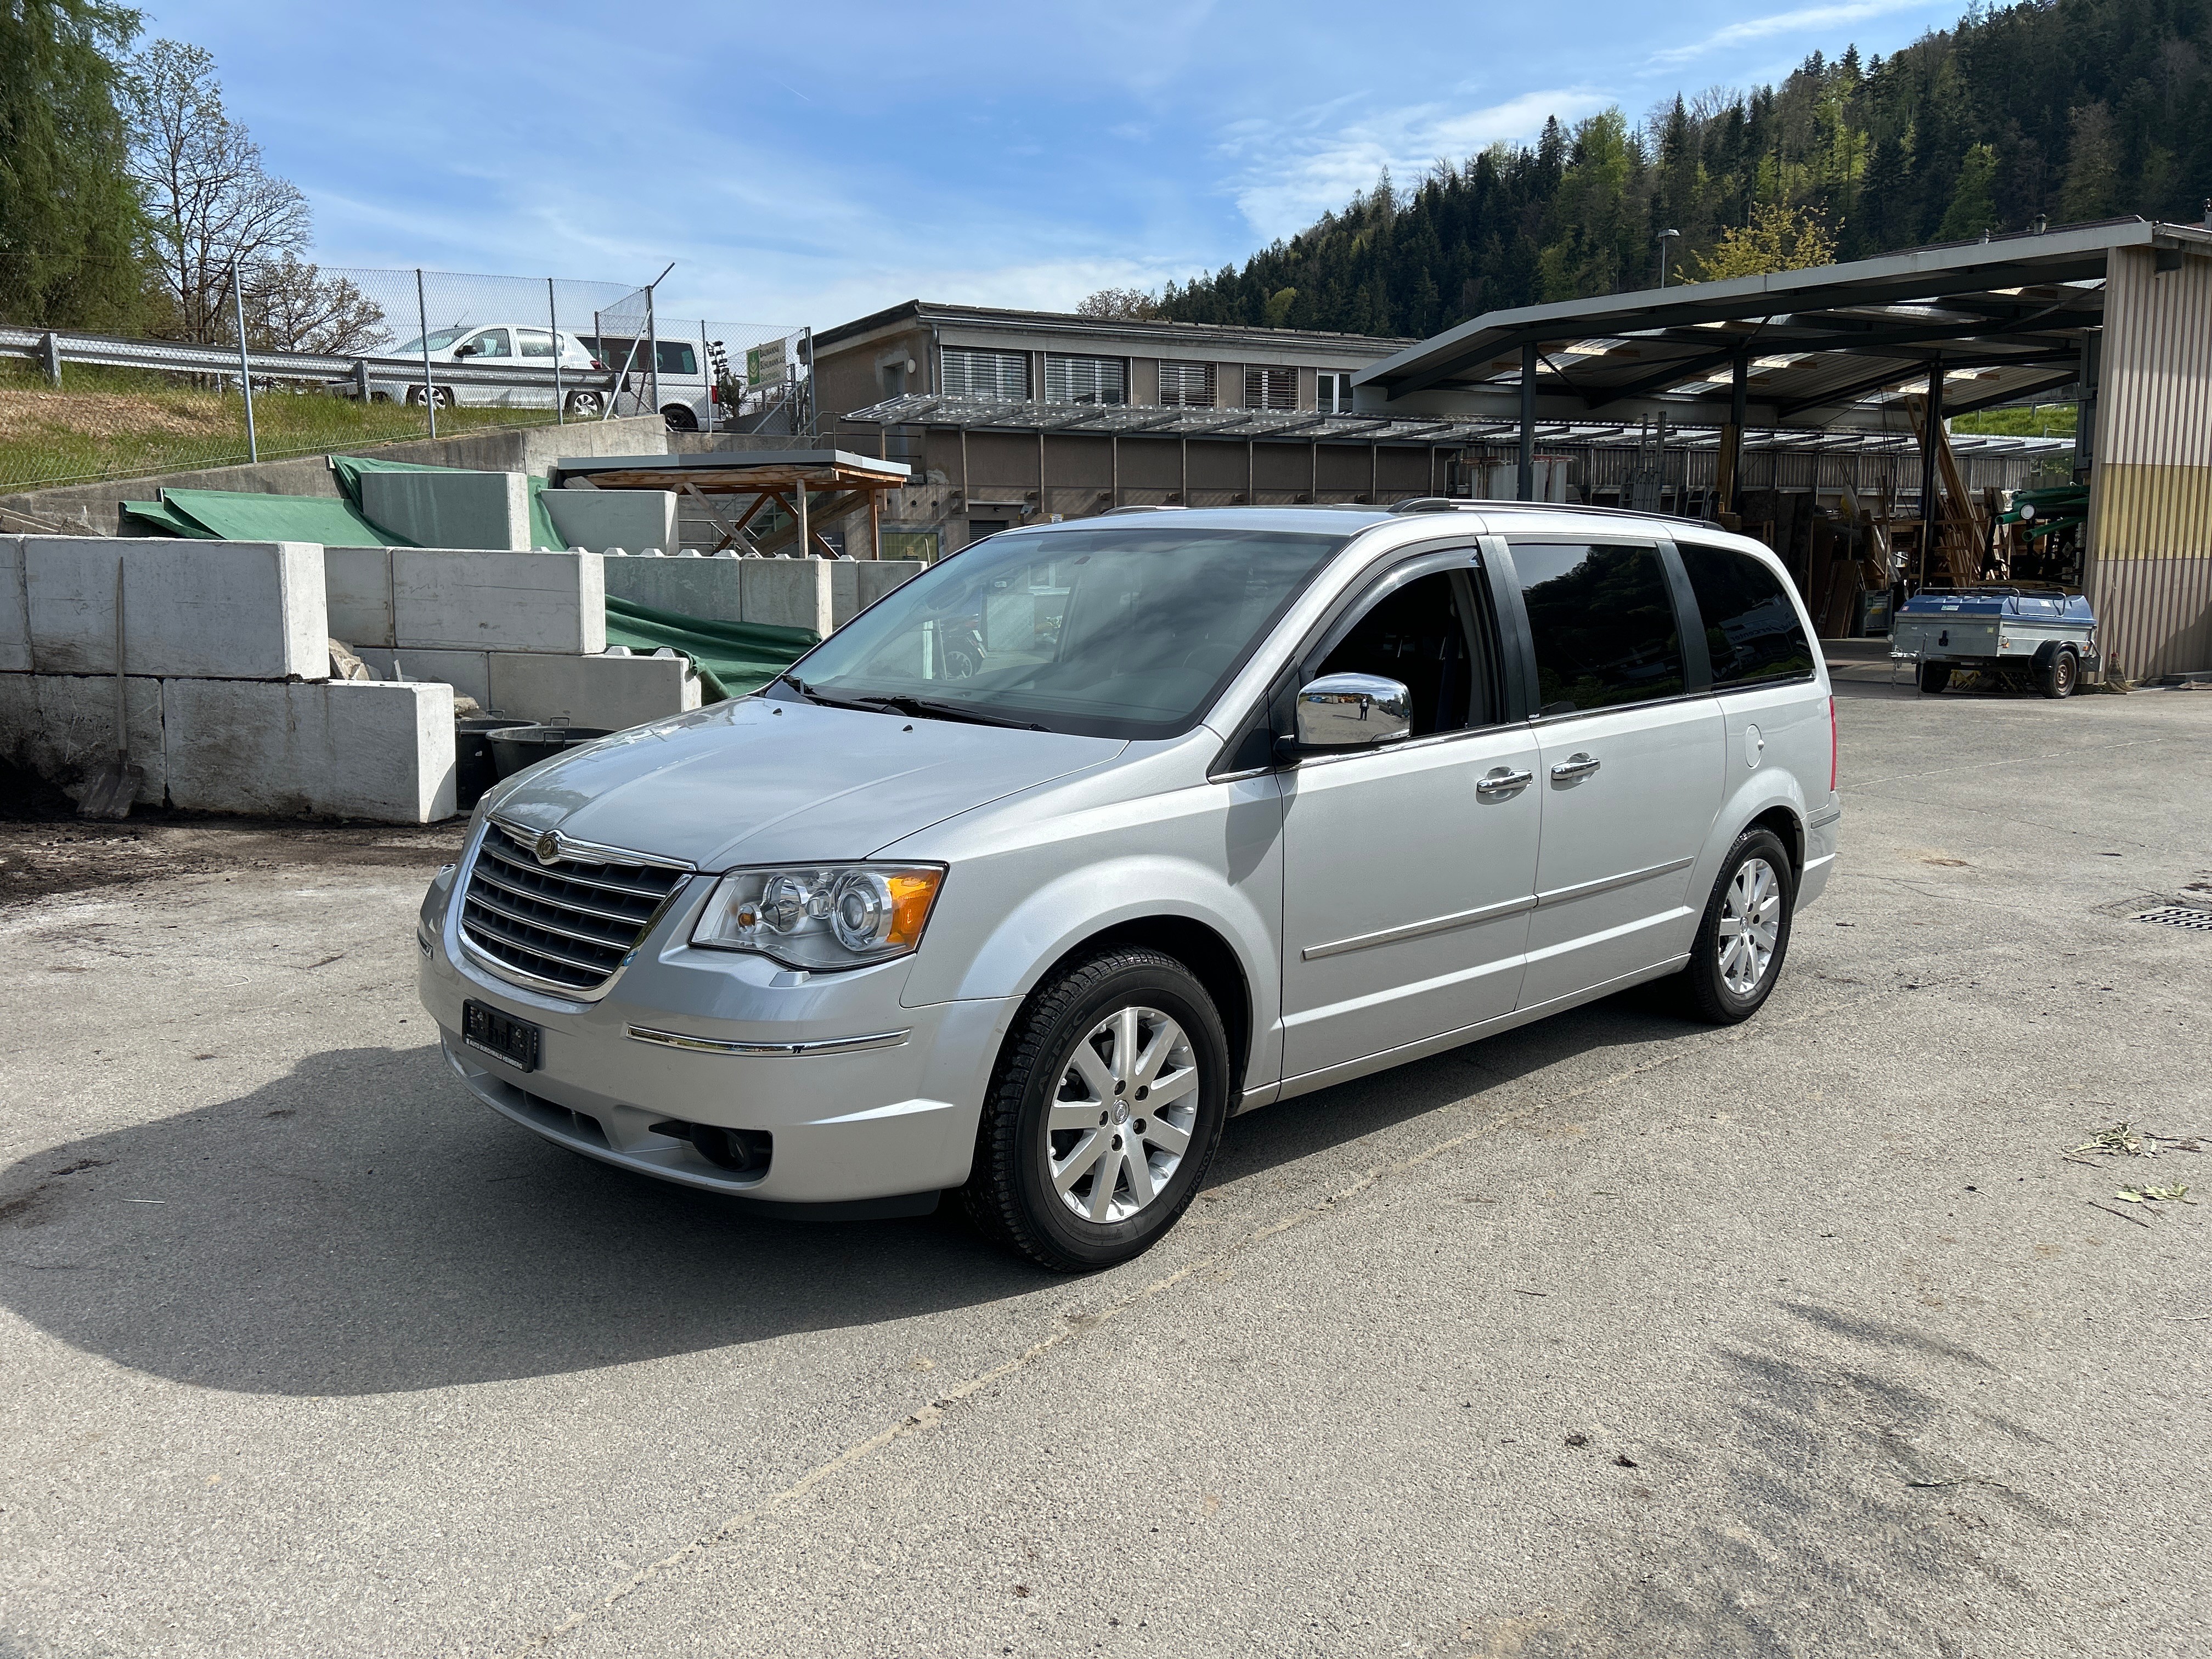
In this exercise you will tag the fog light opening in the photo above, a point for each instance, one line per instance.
(741, 1151)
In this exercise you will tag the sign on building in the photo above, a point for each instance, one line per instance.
(765, 363)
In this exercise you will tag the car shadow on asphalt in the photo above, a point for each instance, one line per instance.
(361, 1226)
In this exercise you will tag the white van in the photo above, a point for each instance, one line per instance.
(688, 398)
(1090, 836)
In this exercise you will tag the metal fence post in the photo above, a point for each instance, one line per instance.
(653, 346)
(422, 316)
(553, 321)
(707, 373)
(245, 364)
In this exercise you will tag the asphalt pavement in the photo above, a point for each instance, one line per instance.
(1617, 1334)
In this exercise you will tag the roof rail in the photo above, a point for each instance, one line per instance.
(1143, 507)
(1430, 504)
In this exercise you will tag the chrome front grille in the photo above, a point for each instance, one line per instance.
(566, 925)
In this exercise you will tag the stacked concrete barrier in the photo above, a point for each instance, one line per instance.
(229, 702)
(524, 633)
(821, 594)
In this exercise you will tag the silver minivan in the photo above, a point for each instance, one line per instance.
(1094, 835)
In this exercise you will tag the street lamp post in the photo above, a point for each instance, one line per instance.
(1667, 240)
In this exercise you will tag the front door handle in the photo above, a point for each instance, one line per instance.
(1503, 780)
(1575, 766)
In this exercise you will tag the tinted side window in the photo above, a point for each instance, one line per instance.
(1751, 627)
(1602, 622)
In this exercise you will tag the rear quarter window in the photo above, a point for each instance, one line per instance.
(1751, 631)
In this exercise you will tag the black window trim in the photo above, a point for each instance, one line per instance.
(1697, 666)
(1687, 597)
(1404, 564)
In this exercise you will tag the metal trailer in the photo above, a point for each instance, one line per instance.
(2048, 639)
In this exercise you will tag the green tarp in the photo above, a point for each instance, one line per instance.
(235, 515)
(732, 658)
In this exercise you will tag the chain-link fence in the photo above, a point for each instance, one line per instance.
(340, 358)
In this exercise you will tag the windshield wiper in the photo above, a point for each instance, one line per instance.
(922, 706)
(865, 705)
(953, 711)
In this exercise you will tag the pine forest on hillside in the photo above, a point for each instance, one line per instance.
(2063, 110)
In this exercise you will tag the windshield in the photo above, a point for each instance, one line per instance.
(440, 339)
(1120, 632)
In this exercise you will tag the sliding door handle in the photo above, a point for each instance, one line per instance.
(1503, 780)
(1575, 766)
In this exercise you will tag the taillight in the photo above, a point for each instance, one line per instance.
(599, 366)
(1831, 744)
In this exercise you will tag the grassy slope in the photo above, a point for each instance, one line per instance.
(117, 423)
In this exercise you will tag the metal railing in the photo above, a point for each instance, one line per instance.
(55, 348)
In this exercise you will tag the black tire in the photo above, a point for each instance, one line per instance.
(2060, 675)
(680, 419)
(1712, 995)
(1935, 676)
(585, 404)
(442, 395)
(1009, 1193)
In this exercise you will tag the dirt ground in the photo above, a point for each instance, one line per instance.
(47, 852)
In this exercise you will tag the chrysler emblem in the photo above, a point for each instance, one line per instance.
(547, 847)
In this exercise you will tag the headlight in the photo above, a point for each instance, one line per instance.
(839, 915)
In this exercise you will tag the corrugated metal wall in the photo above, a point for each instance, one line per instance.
(2150, 499)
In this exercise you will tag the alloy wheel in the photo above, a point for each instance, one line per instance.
(1751, 921)
(1122, 1115)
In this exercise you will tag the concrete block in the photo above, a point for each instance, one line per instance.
(458, 599)
(609, 692)
(601, 519)
(467, 671)
(844, 590)
(450, 509)
(61, 727)
(357, 588)
(789, 593)
(191, 610)
(877, 577)
(343, 748)
(15, 609)
(709, 588)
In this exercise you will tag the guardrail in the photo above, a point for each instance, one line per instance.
(362, 375)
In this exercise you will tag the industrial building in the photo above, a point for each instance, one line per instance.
(1012, 417)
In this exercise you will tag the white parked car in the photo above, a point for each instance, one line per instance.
(493, 345)
(1094, 835)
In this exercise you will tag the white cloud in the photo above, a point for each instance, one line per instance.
(1292, 172)
(1785, 22)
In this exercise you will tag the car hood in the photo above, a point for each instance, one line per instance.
(751, 781)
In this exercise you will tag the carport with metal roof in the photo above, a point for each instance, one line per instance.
(2122, 312)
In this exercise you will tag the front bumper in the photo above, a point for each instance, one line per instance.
(876, 1120)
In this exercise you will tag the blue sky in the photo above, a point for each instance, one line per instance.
(806, 164)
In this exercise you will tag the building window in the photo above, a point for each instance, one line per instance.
(1187, 385)
(1004, 375)
(1085, 380)
(1271, 388)
(1335, 388)
(894, 375)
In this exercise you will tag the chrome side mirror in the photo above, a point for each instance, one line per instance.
(1353, 711)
